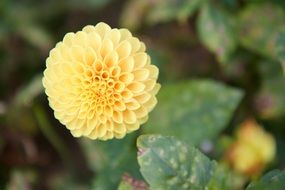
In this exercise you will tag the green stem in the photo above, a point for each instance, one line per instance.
(52, 137)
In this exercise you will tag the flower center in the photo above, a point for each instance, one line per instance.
(102, 89)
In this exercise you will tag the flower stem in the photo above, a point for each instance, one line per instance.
(52, 137)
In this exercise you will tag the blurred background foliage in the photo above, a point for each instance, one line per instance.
(220, 63)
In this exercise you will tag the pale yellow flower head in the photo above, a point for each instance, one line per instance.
(253, 149)
(100, 82)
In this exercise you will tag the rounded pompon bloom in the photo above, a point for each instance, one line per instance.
(100, 82)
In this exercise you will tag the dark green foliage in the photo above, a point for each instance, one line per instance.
(272, 180)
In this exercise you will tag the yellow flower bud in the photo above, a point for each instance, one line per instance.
(253, 149)
(100, 82)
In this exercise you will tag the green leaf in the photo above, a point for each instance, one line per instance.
(193, 110)
(161, 60)
(217, 31)
(36, 36)
(29, 92)
(260, 25)
(19, 111)
(167, 10)
(157, 11)
(280, 48)
(167, 163)
(110, 159)
(270, 100)
(230, 3)
(272, 180)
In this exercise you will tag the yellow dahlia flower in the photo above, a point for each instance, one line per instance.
(253, 149)
(100, 82)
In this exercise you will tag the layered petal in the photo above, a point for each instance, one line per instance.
(100, 82)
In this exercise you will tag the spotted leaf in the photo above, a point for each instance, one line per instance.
(170, 164)
(259, 33)
(193, 111)
(272, 180)
(217, 31)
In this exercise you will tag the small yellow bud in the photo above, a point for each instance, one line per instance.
(253, 149)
